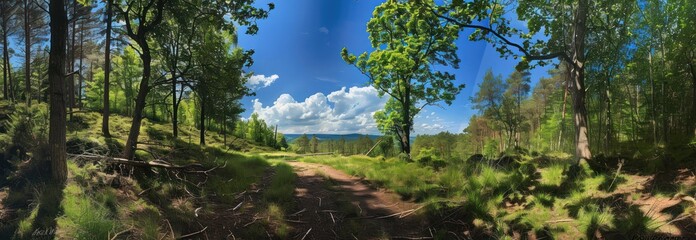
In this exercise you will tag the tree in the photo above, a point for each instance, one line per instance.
(107, 69)
(314, 144)
(303, 144)
(56, 75)
(409, 42)
(494, 103)
(143, 17)
(566, 17)
(8, 28)
(33, 26)
(518, 88)
(283, 143)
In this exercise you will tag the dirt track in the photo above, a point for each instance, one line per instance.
(335, 205)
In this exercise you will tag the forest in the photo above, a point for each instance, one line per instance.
(129, 119)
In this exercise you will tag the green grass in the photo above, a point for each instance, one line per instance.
(552, 176)
(410, 180)
(282, 187)
(84, 217)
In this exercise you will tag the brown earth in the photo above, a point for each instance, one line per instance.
(335, 205)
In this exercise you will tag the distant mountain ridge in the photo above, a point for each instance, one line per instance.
(352, 136)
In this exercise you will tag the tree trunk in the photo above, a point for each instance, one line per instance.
(202, 132)
(27, 54)
(582, 146)
(56, 78)
(132, 142)
(563, 112)
(609, 121)
(6, 65)
(107, 70)
(79, 67)
(71, 55)
(175, 108)
(693, 98)
(406, 122)
(653, 120)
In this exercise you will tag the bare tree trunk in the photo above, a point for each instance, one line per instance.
(582, 147)
(202, 132)
(71, 55)
(175, 108)
(693, 98)
(56, 77)
(79, 77)
(107, 71)
(27, 53)
(6, 65)
(406, 122)
(132, 142)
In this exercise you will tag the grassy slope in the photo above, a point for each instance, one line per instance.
(102, 201)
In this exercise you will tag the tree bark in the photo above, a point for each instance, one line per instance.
(107, 70)
(582, 146)
(175, 108)
(79, 67)
(202, 119)
(693, 98)
(27, 53)
(132, 142)
(6, 65)
(71, 61)
(56, 77)
(406, 122)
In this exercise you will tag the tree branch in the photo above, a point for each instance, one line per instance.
(526, 53)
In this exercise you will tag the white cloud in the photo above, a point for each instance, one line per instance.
(261, 81)
(324, 30)
(348, 110)
(343, 111)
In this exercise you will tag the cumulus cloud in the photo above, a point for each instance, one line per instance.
(343, 111)
(348, 110)
(324, 30)
(261, 81)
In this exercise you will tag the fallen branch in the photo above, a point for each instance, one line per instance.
(121, 232)
(401, 214)
(294, 221)
(236, 207)
(305, 235)
(154, 163)
(298, 212)
(193, 233)
(560, 220)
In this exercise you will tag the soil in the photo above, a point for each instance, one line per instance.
(336, 205)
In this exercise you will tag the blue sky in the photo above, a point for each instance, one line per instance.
(304, 86)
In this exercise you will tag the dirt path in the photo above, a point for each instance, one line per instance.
(335, 205)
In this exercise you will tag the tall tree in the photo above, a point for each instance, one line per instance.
(8, 28)
(141, 18)
(33, 22)
(107, 69)
(568, 28)
(56, 75)
(409, 40)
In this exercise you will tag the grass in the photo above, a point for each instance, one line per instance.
(499, 201)
(84, 217)
(282, 187)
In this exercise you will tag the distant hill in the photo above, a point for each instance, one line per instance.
(352, 136)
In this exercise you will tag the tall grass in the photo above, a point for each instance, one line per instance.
(282, 187)
(83, 217)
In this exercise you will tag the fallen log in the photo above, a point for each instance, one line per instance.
(154, 163)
